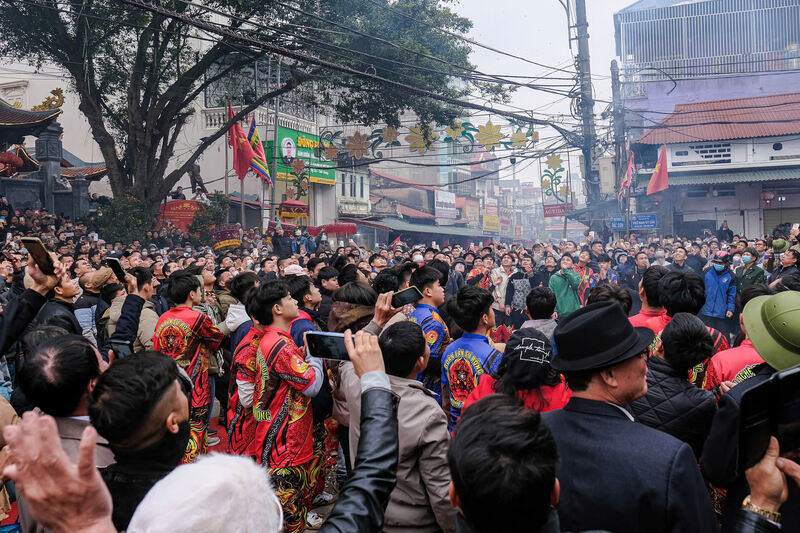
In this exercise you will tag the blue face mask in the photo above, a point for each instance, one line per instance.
(719, 268)
(746, 259)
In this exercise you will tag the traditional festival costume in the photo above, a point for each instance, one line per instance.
(190, 338)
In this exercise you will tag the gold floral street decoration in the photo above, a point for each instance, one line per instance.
(421, 138)
(390, 135)
(489, 136)
(553, 179)
(357, 145)
(331, 152)
(298, 165)
(298, 181)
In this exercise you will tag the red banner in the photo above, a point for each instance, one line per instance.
(556, 210)
(179, 212)
(229, 236)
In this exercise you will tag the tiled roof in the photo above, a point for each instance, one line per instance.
(403, 181)
(740, 118)
(652, 4)
(11, 116)
(89, 172)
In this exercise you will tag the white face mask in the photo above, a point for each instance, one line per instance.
(417, 258)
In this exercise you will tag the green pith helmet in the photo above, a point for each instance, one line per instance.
(780, 245)
(773, 326)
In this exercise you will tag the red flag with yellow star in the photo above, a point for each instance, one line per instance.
(242, 149)
(660, 179)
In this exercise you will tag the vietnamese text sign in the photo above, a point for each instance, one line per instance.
(639, 221)
(472, 212)
(445, 205)
(292, 145)
(491, 218)
(179, 212)
(556, 210)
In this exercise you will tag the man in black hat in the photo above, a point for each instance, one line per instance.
(616, 474)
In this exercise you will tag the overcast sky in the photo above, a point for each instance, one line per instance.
(537, 30)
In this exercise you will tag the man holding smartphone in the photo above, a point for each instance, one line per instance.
(285, 383)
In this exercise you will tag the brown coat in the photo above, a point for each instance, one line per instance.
(420, 501)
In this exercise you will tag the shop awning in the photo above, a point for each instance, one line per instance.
(742, 176)
(396, 224)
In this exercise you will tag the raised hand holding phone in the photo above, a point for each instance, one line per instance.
(364, 352)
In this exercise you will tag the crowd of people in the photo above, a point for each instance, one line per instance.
(561, 386)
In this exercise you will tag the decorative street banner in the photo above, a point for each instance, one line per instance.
(445, 205)
(556, 210)
(229, 236)
(491, 218)
(179, 212)
(555, 187)
(639, 221)
(300, 154)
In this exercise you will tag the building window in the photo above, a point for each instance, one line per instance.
(352, 186)
(344, 184)
(682, 152)
(777, 147)
(362, 187)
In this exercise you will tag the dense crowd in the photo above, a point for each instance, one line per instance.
(560, 386)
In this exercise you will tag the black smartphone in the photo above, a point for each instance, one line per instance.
(406, 296)
(326, 345)
(116, 267)
(787, 413)
(121, 348)
(39, 253)
(770, 408)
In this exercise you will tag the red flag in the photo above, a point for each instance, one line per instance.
(242, 150)
(446, 243)
(659, 181)
(397, 240)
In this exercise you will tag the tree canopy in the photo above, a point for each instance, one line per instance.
(140, 75)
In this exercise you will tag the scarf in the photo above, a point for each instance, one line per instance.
(349, 316)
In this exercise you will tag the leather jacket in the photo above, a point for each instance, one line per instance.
(750, 522)
(363, 500)
(59, 313)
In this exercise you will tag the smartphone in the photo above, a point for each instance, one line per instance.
(770, 408)
(39, 253)
(326, 345)
(406, 296)
(121, 348)
(116, 267)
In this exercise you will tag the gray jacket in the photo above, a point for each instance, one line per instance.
(420, 500)
(545, 325)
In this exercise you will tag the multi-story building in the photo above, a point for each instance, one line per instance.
(708, 79)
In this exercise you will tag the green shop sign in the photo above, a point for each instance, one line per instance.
(299, 153)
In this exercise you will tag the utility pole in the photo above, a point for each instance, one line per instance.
(620, 153)
(586, 102)
(274, 150)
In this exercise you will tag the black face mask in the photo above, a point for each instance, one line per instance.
(168, 451)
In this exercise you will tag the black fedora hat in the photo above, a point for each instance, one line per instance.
(597, 336)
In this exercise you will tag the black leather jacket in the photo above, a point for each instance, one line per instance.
(363, 501)
(59, 313)
(17, 315)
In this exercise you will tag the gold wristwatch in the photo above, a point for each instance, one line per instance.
(770, 515)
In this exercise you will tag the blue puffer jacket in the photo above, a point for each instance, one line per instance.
(720, 293)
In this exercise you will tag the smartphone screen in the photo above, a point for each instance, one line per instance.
(116, 267)
(326, 345)
(39, 254)
(787, 412)
(405, 297)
